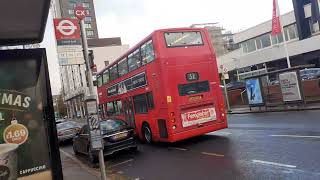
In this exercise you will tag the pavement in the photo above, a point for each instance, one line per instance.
(78, 168)
(281, 145)
(287, 108)
(73, 170)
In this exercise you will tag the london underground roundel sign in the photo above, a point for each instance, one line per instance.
(66, 29)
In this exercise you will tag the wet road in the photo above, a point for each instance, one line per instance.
(255, 146)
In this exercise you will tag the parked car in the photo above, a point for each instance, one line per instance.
(311, 73)
(58, 121)
(236, 85)
(67, 130)
(274, 82)
(117, 136)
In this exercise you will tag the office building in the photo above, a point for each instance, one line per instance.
(222, 40)
(65, 8)
(74, 77)
(260, 52)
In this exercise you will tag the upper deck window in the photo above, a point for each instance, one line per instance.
(176, 39)
(105, 77)
(123, 67)
(147, 52)
(113, 72)
(100, 81)
(134, 60)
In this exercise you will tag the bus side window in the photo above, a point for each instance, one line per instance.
(134, 61)
(110, 108)
(140, 104)
(150, 100)
(114, 72)
(147, 52)
(118, 107)
(100, 81)
(105, 77)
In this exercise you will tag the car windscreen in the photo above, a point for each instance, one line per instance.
(111, 125)
(178, 39)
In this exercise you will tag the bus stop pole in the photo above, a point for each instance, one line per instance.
(90, 79)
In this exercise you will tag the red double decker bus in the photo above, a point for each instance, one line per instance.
(167, 86)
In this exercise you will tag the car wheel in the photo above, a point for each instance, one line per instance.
(75, 149)
(147, 133)
(92, 157)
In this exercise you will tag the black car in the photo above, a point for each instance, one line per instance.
(117, 135)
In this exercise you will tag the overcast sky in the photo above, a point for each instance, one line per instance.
(132, 20)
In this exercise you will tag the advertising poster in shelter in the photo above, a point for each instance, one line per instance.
(254, 92)
(25, 131)
(290, 88)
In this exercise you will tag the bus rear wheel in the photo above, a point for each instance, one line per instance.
(147, 133)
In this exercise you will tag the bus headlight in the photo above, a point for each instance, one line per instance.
(174, 127)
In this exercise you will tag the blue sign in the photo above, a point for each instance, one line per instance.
(254, 93)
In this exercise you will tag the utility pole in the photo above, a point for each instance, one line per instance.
(91, 100)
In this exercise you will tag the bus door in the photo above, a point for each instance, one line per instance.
(128, 111)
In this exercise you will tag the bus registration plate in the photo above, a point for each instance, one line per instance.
(198, 117)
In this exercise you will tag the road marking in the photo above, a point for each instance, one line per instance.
(296, 136)
(176, 148)
(118, 164)
(212, 154)
(273, 163)
(220, 133)
(92, 172)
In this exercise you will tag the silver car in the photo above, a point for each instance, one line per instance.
(67, 130)
(309, 74)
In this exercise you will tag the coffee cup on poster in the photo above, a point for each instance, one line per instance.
(8, 161)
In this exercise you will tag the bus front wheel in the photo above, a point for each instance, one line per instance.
(147, 133)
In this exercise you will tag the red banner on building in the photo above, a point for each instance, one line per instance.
(276, 24)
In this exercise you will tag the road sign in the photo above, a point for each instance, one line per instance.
(95, 133)
(225, 73)
(67, 28)
(80, 12)
(68, 41)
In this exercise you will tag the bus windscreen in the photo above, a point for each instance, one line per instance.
(176, 39)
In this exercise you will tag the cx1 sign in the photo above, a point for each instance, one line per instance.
(66, 28)
(80, 12)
